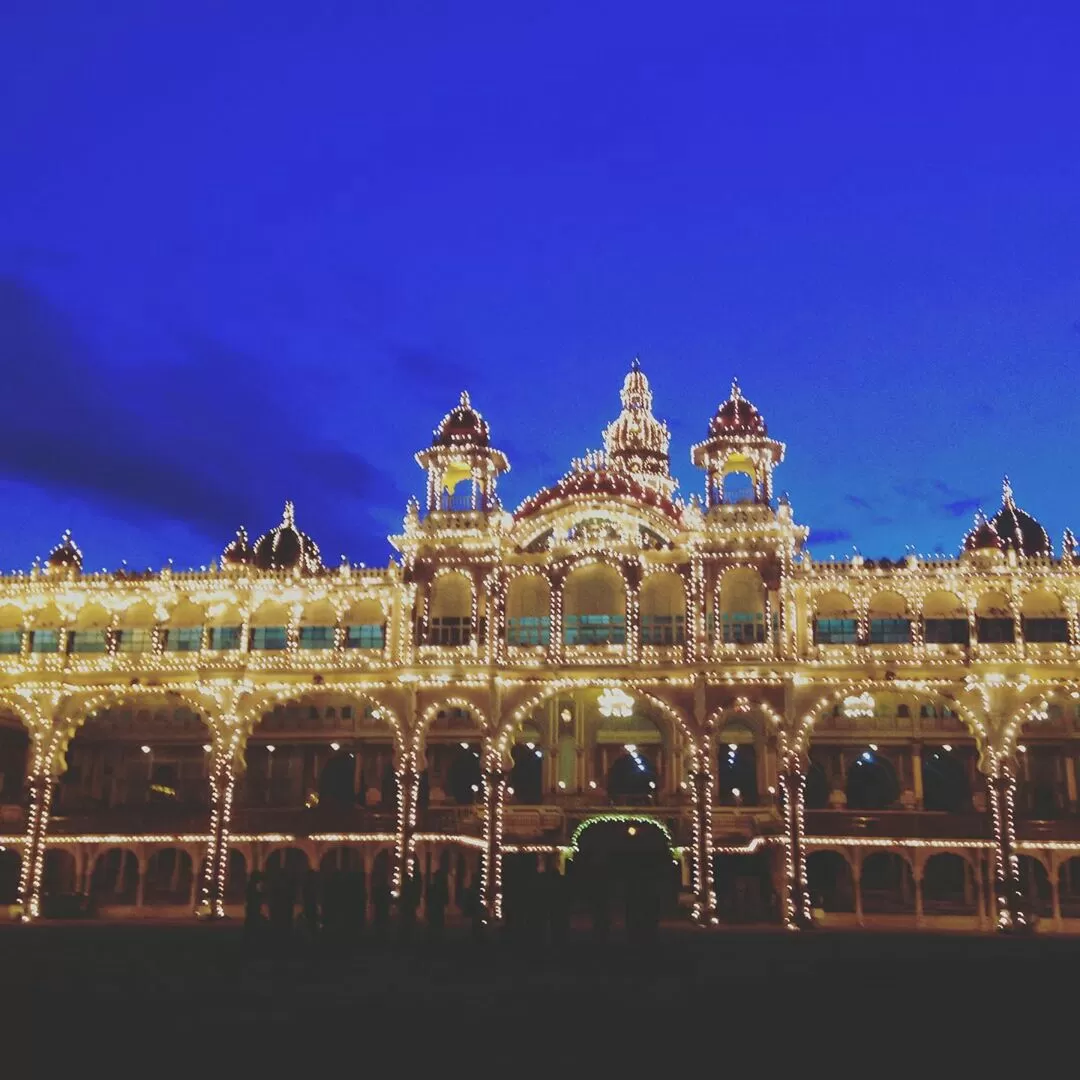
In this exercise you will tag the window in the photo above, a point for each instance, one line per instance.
(1046, 630)
(364, 636)
(742, 627)
(995, 631)
(663, 629)
(224, 637)
(835, 631)
(45, 641)
(594, 629)
(87, 641)
(528, 630)
(10, 642)
(135, 641)
(269, 637)
(183, 639)
(946, 631)
(450, 630)
(890, 631)
(316, 637)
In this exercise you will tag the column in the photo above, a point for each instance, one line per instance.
(798, 913)
(495, 781)
(227, 746)
(408, 793)
(916, 774)
(40, 783)
(1001, 785)
(704, 891)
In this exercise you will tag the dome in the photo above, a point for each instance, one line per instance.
(286, 547)
(737, 416)
(239, 551)
(462, 426)
(982, 536)
(65, 556)
(602, 481)
(1019, 530)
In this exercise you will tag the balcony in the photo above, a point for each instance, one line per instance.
(899, 824)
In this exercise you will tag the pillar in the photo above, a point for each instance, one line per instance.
(702, 876)
(1001, 784)
(798, 913)
(40, 784)
(223, 769)
(495, 781)
(408, 795)
(916, 774)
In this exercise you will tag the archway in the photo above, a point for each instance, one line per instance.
(289, 864)
(594, 606)
(817, 787)
(948, 886)
(61, 888)
(620, 863)
(526, 776)
(744, 888)
(454, 772)
(888, 885)
(1069, 888)
(14, 750)
(871, 783)
(115, 878)
(832, 884)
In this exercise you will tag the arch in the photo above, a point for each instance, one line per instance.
(12, 617)
(663, 608)
(288, 862)
(115, 877)
(994, 618)
(60, 875)
(948, 885)
(1042, 603)
(451, 596)
(736, 763)
(88, 632)
(528, 610)
(946, 786)
(168, 877)
(186, 614)
(526, 774)
(451, 714)
(889, 619)
(831, 881)
(887, 884)
(256, 707)
(631, 776)
(740, 607)
(1045, 619)
(92, 616)
(871, 783)
(943, 604)
(320, 612)
(1069, 887)
(835, 619)
(594, 605)
(341, 859)
(136, 615)
(993, 604)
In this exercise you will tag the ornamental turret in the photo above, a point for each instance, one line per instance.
(65, 558)
(1019, 531)
(285, 547)
(462, 466)
(636, 443)
(738, 456)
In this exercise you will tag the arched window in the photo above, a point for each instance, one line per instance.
(663, 609)
(945, 620)
(835, 622)
(889, 622)
(594, 606)
(365, 626)
(742, 607)
(1044, 618)
(528, 622)
(993, 619)
(736, 771)
(450, 613)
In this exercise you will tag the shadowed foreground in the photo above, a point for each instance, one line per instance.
(179, 992)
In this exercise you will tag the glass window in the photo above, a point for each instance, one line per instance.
(1046, 630)
(45, 641)
(269, 637)
(316, 637)
(528, 630)
(890, 631)
(224, 637)
(10, 642)
(995, 631)
(946, 631)
(594, 629)
(183, 639)
(450, 631)
(135, 641)
(87, 641)
(835, 631)
(742, 627)
(364, 636)
(663, 629)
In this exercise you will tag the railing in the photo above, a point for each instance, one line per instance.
(914, 824)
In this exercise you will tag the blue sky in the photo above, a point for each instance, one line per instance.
(251, 252)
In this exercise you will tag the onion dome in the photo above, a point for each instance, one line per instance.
(65, 556)
(982, 536)
(1018, 530)
(598, 480)
(286, 547)
(239, 551)
(636, 442)
(462, 426)
(737, 416)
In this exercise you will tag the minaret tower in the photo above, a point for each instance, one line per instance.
(636, 443)
(738, 446)
(462, 466)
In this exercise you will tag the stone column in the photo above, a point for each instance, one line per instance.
(408, 794)
(798, 913)
(227, 748)
(702, 879)
(916, 774)
(495, 781)
(1001, 785)
(40, 783)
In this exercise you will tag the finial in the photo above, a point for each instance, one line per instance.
(465, 398)
(1006, 489)
(289, 517)
(635, 364)
(736, 393)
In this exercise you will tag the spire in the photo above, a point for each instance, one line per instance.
(289, 517)
(635, 442)
(464, 400)
(635, 364)
(736, 393)
(1006, 491)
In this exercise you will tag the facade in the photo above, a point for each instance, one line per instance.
(610, 665)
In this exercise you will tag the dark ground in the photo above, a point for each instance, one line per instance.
(128, 999)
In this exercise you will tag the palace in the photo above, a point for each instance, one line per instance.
(608, 673)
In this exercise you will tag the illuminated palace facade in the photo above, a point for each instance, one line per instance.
(851, 742)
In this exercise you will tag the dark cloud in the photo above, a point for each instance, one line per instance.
(828, 536)
(439, 378)
(961, 507)
(200, 435)
(938, 498)
(858, 502)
